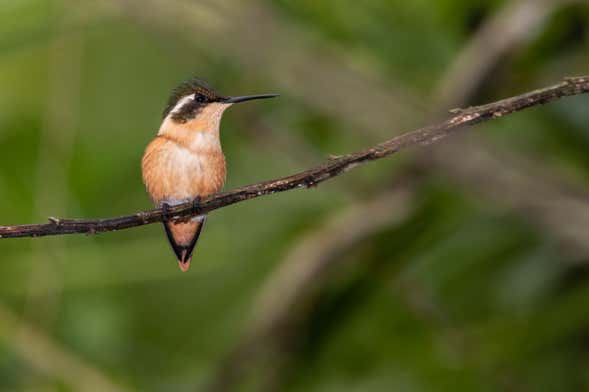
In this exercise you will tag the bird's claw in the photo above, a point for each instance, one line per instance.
(165, 211)
(196, 204)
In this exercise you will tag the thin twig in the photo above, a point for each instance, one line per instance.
(299, 279)
(311, 177)
(56, 139)
(325, 74)
(558, 207)
(512, 26)
(273, 314)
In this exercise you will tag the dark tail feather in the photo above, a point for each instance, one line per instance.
(183, 237)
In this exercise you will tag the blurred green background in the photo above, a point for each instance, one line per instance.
(457, 266)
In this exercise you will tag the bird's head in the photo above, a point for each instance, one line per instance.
(195, 98)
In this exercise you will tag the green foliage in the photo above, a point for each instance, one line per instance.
(463, 294)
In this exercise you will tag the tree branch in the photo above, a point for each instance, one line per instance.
(311, 177)
(276, 320)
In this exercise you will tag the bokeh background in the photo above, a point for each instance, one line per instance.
(456, 266)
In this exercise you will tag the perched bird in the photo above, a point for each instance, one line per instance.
(185, 161)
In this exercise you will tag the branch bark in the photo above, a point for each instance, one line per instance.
(311, 177)
(510, 28)
(305, 269)
(325, 73)
(275, 323)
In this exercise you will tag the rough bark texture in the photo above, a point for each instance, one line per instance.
(311, 177)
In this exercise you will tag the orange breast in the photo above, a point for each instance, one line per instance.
(173, 172)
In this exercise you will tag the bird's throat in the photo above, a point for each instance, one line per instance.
(199, 133)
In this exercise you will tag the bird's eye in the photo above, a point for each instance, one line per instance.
(200, 98)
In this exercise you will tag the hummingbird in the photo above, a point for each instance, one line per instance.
(185, 161)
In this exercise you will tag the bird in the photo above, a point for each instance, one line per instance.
(185, 162)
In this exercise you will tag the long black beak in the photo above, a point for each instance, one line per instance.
(244, 98)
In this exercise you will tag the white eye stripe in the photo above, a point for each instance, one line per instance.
(181, 102)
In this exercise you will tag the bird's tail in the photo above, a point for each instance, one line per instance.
(182, 237)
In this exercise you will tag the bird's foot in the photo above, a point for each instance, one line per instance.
(196, 204)
(166, 212)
